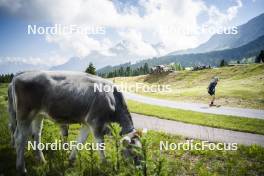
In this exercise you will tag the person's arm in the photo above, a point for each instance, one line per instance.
(213, 86)
(209, 86)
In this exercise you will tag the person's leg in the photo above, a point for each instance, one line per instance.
(213, 99)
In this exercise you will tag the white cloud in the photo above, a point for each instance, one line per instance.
(55, 59)
(163, 21)
(29, 60)
(169, 20)
(219, 19)
(12, 5)
(78, 44)
(136, 45)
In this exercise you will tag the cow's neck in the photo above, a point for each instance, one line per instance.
(126, 124)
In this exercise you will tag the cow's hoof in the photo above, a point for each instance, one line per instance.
(40, 160)
(72, 162)
(12, 143)
(104, 161)
(21, 171)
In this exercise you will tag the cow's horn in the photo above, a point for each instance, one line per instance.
(128, 136)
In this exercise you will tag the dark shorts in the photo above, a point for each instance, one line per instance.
(211, 92)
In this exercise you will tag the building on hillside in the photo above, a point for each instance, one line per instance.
(161, 69)
(231, 65)
(201, 67)
(189, 68)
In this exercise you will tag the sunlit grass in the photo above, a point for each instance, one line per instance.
(212, 120)
(239, 86)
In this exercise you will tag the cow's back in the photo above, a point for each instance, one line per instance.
(65, 96)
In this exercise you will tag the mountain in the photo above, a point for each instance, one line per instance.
(245, 33)
(8, 67)
(80, 64)
(212, 58)
(74, 63)
(220, 46)
(116, 55)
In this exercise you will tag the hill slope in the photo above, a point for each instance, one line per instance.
(239, 86)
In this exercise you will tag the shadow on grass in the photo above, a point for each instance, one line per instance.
(7, 161)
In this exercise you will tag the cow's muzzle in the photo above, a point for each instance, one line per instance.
(132, 146)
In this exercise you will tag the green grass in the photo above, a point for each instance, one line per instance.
(244, 161)
(218, 121)
(247, 160)
(239, 86)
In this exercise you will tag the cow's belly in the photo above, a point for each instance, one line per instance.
(68, 107)
(67, 113)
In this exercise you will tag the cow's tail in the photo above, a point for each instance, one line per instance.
(12, 111)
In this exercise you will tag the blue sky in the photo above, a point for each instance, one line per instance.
(139, 22)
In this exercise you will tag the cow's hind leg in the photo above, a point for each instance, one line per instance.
(12, 115)
(21, 136)
(84, 131)
(12, 125)
(37, 124)
(64, 128)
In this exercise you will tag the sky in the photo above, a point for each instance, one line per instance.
(141, 24)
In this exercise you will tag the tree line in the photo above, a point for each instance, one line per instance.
(6, 78)
(127, 71)
(258, 59)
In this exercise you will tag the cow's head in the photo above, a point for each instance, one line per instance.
(132, 145)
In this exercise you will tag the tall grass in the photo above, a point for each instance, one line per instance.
(244, 161)
(247, 160)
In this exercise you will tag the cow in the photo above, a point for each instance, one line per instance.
(68, 98)
(12, 123)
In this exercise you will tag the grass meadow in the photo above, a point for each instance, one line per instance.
(239, 86)
(246, 160)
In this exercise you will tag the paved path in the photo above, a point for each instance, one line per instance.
(196, 131)
(241, 112)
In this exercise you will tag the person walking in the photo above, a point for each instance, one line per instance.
(211, 90)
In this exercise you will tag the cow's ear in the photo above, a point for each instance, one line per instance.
(140, 133)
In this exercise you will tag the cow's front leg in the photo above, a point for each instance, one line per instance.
(84, 131)
(99, 137)
(21, 136)
(36, 132)
(100, 141)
